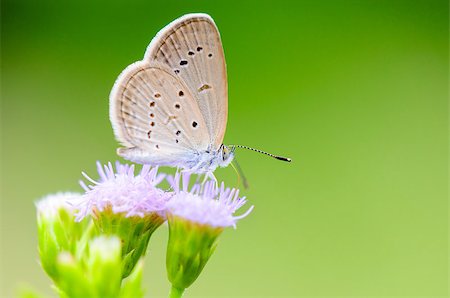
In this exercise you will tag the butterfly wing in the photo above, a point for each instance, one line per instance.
(155, 116)
(190, 47)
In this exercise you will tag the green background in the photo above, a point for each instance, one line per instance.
(354, 91)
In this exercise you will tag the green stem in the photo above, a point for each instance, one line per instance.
(175, 292)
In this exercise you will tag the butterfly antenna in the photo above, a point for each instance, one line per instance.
(239, 173)
(263, 152)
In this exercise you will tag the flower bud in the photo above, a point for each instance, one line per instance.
(57, 229)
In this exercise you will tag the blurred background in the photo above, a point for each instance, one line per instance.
(355, 92)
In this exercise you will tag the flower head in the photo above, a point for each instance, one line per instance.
(124, 192)
(126, 205)
(196, 219)
(206, 204)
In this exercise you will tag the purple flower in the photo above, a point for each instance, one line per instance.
(124, 192)
(205, 203)
(196, 217)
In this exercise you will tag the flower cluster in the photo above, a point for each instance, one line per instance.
(111, 223)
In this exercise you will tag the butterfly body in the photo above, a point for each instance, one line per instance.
(196, 161)
(171, 108)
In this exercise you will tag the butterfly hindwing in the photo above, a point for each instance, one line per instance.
(191, 49)
(153, 111)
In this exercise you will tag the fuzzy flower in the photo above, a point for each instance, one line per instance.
(126, 205)
(205, 204)
(124, 192)
(196, 217)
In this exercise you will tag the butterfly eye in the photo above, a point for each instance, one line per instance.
(224, 155)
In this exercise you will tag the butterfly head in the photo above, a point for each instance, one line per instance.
(227, 154)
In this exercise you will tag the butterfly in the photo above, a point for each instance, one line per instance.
(171, 108)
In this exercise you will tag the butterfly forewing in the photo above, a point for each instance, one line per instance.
(154, 111)
(191, 49)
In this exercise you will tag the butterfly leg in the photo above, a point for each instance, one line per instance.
(195, 169)
(176, 177)
(211, 176)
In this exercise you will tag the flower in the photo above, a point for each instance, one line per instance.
(126, 205)
(79, 263)
(205, 204)
(196, 218)
(124, 192)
